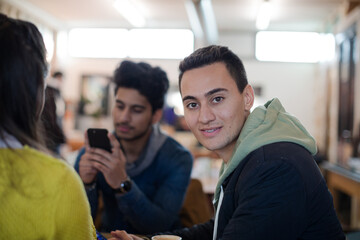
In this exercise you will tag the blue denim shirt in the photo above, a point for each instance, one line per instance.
(156, 196)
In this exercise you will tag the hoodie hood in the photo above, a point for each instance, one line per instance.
(147, 156)
(265, 125)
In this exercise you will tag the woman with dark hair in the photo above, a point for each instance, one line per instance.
(41, 197)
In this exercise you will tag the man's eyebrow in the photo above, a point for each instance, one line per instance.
(133, 106)
(211, 92)
(216, 90)
(188, 98)
(138, 106)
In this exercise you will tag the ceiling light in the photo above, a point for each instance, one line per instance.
(129, 11)
(194, 19)
(209, 21)
(264, 15)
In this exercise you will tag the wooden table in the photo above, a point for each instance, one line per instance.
(341, 179)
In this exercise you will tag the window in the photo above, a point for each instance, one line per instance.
(135, 43)
(98, 42)
(308, 47)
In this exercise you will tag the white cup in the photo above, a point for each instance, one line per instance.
(166, 237)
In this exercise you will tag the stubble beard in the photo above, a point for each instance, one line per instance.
(215, 144)
(136, 137)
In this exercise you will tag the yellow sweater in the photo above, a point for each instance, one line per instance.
(41, 198)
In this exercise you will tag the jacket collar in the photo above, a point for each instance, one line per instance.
(9, 141)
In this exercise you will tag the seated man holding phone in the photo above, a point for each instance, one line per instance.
(144, 177)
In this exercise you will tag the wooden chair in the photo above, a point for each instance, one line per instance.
(196, 208)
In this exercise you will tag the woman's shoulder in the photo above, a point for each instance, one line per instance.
(36, 173)
(46, 159)
(38, 162)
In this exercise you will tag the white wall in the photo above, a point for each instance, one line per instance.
(74, 68)
(293, 84)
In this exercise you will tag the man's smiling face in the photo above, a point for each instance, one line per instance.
(214, 109)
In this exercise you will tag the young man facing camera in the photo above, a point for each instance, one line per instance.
(270, 186)
(143, 182)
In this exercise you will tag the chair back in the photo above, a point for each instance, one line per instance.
(197, 205)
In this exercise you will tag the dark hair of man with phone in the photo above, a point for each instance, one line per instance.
(151, 82)
(143, 180)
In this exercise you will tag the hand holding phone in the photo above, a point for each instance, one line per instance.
(112, 166)
(98, 138)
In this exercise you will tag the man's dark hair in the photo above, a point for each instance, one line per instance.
(151, 82)
(23, 68)
(214, 54)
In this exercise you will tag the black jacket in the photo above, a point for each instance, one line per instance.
(277, 192)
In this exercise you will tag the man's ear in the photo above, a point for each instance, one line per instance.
(248, 94)
(157, 116)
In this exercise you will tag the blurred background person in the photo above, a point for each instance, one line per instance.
(52, 122)
(142, 189)
(54, 86)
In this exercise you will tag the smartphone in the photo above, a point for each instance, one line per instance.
(98, 138)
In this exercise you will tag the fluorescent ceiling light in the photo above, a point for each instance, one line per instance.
(264, 15)
(209, 21)
(307, 47)
(129, 11)
(194, 19)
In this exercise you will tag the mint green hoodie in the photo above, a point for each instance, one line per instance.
(266, 124)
